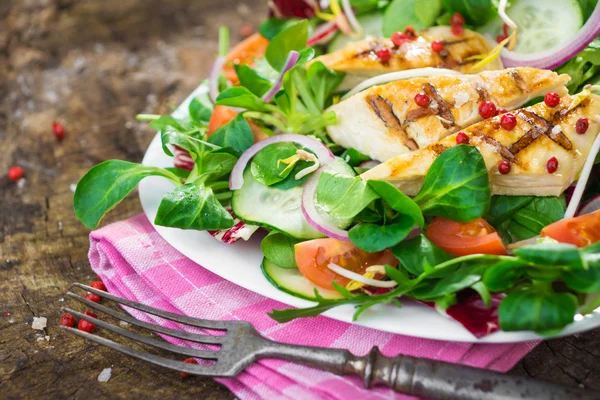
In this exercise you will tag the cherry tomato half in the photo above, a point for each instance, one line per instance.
(461, 239)
(580, 231)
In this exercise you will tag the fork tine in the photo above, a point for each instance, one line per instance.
(200, 323)
(194, 369)
(193, 337)
(186, 351)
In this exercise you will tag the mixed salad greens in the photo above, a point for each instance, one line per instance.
(255, 152)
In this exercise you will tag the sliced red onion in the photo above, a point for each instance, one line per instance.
(351, 17)
(323, 33)
(342, 23)
(325, 156)
(360, 278)
(554, 57)
(213, 77)
(182, 159)
(591, 206)
(292, 59)
(312, 215)
(369, 164)
(584, 176)
(398, 75)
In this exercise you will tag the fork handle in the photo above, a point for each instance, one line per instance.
(426, 378)
(441, 380)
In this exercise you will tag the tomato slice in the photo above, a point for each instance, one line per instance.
(580, 231)
(245, 53)
(223, 114)
(461, 239)
(313, 256)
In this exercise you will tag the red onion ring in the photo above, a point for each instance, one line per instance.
(591, 206)
(213, 77)
(292, 59)
(322, 34)
(550, 59)
(309, 210)
(325, 156)
(351, 17)
(584, 176)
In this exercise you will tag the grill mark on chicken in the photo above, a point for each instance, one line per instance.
(499, 147)
(384, 110)
(443, 107)
(541, 126)
(420, 112)
(438, 148)
(518, 79)
(482, 93)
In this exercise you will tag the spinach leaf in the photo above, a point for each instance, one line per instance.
(200, 110)
(236, 134)
(323, 81)
(476, 12)
(192, 206)
(106, 184)
(343, 197)
(584, 280)
(279, 249)
(273, 26)
(503, 275)
(398, 201)
(179, 172)
(462, 278)
(265, 166)
(418, 251)
(251, 80)
(293, 37)
(539, 310)
(217, 163)
(290, 181)
(354, 157)
(371, 237)
(427, 11)
(238, 96)
(399, 15)
(456, 186)
(553, 254)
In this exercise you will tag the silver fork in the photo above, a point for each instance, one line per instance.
(241, 345)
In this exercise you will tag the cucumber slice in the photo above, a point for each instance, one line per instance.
(292, 282)
(272, 208)
(372, 25)
(543, 25)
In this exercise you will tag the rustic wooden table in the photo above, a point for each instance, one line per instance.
(92, 65)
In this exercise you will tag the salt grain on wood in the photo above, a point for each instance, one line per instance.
(105, 375)
(39, 323)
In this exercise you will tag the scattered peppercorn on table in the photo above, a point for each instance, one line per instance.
(73, 74)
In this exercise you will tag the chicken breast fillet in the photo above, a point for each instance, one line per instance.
(540, 134)
(359, 59)
(384, 121)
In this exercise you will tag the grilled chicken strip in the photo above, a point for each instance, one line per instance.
(384, 121)
(541, 133)
(359, 59)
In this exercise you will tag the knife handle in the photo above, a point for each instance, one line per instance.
(441, 380)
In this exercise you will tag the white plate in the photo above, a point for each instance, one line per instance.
(240, 264)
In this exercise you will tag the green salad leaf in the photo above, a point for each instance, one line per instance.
(217, 164)
(279, 249)
(343, 197)
(373, 237)
(200, 110)
(399, 15)
(354, 157)
(266, 167)
(428, 11)
(236, 134)
(238, 96)
(398, 201)
(107, 184)
(192, 206)
(251, 80)
(456, 186)
(292, 37)
(418, 254)
(271, 27)
(475, 12)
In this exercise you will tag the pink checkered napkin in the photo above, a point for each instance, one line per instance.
(136, 263)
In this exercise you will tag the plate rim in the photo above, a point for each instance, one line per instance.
(343, 313)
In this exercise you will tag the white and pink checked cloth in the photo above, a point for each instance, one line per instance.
(136, 263)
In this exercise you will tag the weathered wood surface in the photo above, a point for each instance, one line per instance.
(94, 64)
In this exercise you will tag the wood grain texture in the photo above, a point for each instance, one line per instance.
(92, 65)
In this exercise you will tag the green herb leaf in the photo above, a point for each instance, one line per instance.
(279, 249)
(217, 163)
(414, 252)
(192, 206)
(323, 81)
(238, 96)
(503, 275)
(293, 37)
(236, 134)
(456, 186)
(427, 11)
(476, 12)
(265, 166)
(251, 80)
(106, 184)
(371, 237)
(343, 197)
(465, 276)
(354, 157)
(273, 26)
(540, 311)
(399, 15)
(553, 254)
(200, 110)
(290, 181)
(398, 201)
